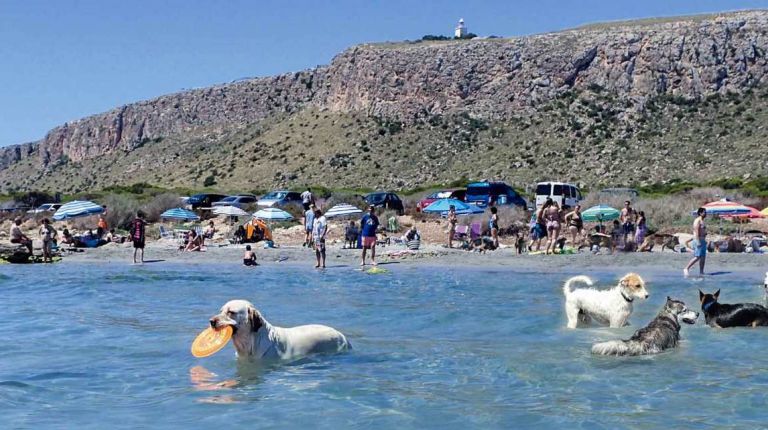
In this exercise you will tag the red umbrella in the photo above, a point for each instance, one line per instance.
(753, 213)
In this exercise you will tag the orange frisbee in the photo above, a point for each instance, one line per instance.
(210, 341)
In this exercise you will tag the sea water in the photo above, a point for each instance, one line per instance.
(107, 346)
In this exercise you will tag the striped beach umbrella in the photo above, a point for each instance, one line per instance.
(724, 207)
(753, 213)
(180, 214)
(442, 206)
(77, 208)
(342, 209)
(229, 211)
(273, 214)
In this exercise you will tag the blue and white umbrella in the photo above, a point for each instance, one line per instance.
(229, 210)
(273, 214)
(180, 214)
(442, 206)
(76, 209)
(342, 209)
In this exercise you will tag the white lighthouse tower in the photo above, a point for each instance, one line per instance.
(461, 30)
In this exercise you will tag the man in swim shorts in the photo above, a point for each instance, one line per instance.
(369, 224)
(137, 236)
(699, 242)
(319, 230)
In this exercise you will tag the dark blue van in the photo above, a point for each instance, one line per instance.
(484, 193)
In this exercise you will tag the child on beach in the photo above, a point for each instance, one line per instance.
(249, 258)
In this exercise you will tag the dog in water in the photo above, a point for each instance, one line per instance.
(722, 315)
(612, 307)
(255, 338)
(660, 334)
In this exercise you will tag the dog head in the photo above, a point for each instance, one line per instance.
(241, 315)
(678, 310)
(632, 285)
(708, 300)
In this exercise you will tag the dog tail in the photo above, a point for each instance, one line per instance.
(612, 347)
(567, 287)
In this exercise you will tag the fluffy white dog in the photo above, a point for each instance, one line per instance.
(612, 307)
(257, 339)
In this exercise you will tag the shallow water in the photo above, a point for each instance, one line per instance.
(107, 346)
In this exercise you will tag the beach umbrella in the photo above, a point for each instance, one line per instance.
(229, 211)
(442, 206)
(600, 213)
(764, 211)
(342, 209)
(180, 214)
(753, 213)
(724, 207)
(273, 214)
(77, 209)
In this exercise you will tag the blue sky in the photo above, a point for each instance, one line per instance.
(65, 59)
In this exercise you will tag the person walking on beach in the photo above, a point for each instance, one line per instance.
(699, 242)
(47, 234)
(575, 225)
(319, 230)
(309, 221)
(452, 220)
(18, 237)
(552, 218)
(137, 236)
(493, 225)
(307, 200)
(369, 224)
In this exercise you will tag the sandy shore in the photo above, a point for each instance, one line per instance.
(429, 255)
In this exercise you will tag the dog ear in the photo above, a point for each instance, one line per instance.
(701, 296)
(254, 319)
(717, 294)
(669, 299)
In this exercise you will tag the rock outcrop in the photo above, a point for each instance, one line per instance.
(493, 80)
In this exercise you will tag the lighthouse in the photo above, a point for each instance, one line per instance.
(461, 30)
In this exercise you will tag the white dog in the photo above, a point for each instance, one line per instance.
(257, 339)
(612, 307)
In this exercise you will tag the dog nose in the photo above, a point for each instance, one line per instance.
(213, 322)
(646, 296)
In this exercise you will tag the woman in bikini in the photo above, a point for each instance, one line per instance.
(493, 225)
(552, 218)
(575, 224)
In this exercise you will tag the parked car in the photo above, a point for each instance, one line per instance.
(204, 200)
(381, 199)
(459, 194)
(280, 199)
(566, 195)
(625, 193)
(48, 207)
(498, 193)
(240, 201)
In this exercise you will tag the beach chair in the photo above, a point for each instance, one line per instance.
(461, 232)
(165, 234)
(414, 245)
(475, 231)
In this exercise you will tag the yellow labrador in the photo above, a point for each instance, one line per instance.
(257, 339)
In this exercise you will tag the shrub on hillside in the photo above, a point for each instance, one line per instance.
(121, 209)
(160, 204)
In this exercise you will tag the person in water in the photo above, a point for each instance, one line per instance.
(138, 236)
(249, 258)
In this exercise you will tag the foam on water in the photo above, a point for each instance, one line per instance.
(97, 346)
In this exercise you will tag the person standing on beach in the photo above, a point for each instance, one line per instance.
(319, 230)
(641, 229)
(552, 218)
(369, 224)
(538, 229)
(627, 220)
(307, 200)
(101, 226)
(493, 225)
(575, 225)
(452, 220)
(137, 236)
(699, 242)
(309, 221)
(47, 234)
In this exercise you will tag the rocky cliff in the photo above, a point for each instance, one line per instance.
(610, 86)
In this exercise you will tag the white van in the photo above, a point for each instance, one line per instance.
(566, 195)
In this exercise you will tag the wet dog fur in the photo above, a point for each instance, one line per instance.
(612, 307)
(662, 333)
(722, 315)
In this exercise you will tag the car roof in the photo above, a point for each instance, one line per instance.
(556, 183)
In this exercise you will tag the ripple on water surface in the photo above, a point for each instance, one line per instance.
(108, 346)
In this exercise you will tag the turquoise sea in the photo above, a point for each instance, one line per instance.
(107, 346)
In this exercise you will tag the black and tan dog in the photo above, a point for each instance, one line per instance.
(723, 315)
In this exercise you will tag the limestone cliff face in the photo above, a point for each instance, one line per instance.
(493, 79)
